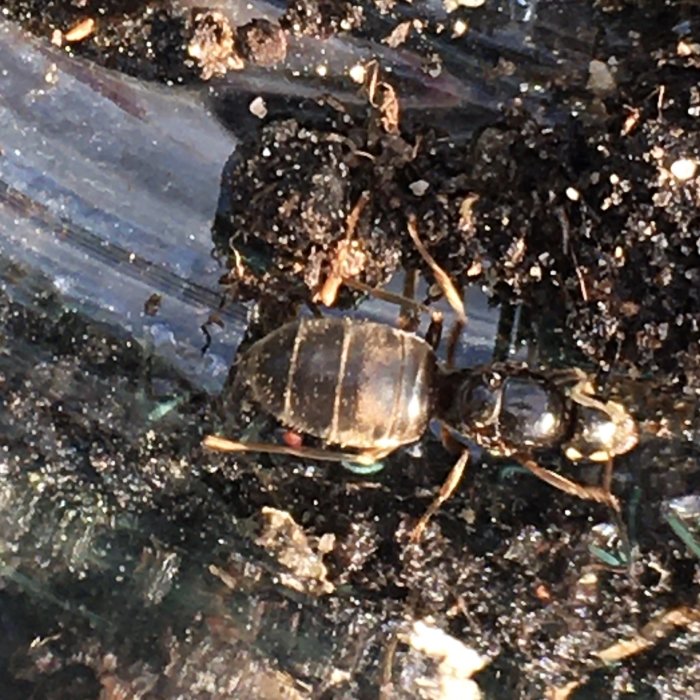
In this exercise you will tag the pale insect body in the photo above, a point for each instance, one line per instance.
(355, 384)
(371, 388)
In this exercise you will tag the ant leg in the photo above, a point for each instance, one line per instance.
(583, 394)
(446, 490)
(349, 258)
(365, 458)
(607, 475)
(454, 298)
(389, 296)
(313, 308)
(587, 493)
(434, 333)
(453, 341)
(573, 379)
(408, 320)
(447, 286)
(449, 442)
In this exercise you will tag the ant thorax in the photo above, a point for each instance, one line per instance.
(509, 412)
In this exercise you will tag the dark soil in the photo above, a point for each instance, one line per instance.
(135, 565)
(141, 564)
(585, 219)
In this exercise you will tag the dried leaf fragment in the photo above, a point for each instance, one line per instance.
(213, 46)
(302, 556)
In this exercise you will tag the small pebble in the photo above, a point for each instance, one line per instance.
(684, 169)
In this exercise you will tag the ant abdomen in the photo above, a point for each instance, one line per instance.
(350, 383)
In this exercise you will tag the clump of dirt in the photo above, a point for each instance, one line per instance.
(154, 40)
(594, 219)
(262, 42)
(300, 196)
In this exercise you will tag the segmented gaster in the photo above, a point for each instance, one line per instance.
(356, 384)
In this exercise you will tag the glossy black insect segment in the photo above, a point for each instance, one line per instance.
(507, 408)
(370, 388)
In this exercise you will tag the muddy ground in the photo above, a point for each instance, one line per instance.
(136, 565)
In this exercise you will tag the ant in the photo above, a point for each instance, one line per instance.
(370, 388)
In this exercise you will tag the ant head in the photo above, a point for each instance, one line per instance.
(602, 433)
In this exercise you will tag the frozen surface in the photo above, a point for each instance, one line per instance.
(107, 192)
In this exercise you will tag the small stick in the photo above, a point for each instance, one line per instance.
(81, 30)
(651, 634)
(349, 258)
(407, 317)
